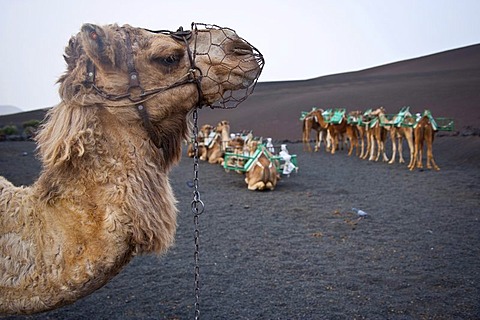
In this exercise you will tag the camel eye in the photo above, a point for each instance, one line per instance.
(168, 61)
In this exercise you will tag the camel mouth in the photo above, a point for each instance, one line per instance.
(235, 75)
(241, 81)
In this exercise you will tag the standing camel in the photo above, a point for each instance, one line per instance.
(338, 128)
(399, 128)
(314, 121)
(377, 134)
(103, 195)
(356, 121)
(402, 128)
(424, 132)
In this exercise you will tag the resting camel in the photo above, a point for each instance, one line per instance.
(262, 175)
(223, 129)
(200, 144)
(424, 132)
(212, 143)
(103, 195)
(212, 149)
(236, 145)
(314, 121)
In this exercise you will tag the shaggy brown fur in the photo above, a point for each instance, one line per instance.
(103, 195)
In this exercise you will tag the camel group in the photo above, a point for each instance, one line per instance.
(367, 132)
(243, 153)
(103, 195)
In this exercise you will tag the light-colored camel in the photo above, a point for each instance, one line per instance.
(223, 128)
(103, 195)
(424, 133)
(338, 132)
(210, 149)
(314, 121)
(200, 144)
(377, 134)
(366, 120)
(400, 127)
(213, 139)
(236, 146)
(356, 121)
(262, 174)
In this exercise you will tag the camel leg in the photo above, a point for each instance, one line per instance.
(260, 185)
(384, 154)
(306, 135)
(203, 153)
(430, 160)
(350, 147)
(352, 137)
(361, 146)
(413, 160)
(420, 155)
(318, 138)
(362, 143)
(334, 143)
(321, 138)
(367, 147)
(368, 150)
(306, 144)
(394, 146)
(400, 149)
(411, 147)
(379, 148)
(328, 144)
(372, 148)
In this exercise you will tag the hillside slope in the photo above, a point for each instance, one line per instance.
(447, 83)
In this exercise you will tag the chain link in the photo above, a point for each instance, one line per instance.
(197, 208)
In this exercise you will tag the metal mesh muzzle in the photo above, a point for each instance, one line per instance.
(251, 65)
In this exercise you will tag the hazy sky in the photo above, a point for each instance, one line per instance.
(300, 39)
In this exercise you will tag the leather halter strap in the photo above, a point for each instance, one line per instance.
(134, 81)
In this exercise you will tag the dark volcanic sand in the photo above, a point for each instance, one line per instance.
(299, 252)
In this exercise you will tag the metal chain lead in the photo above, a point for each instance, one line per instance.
(197, 209)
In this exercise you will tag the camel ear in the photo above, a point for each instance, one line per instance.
(72, 54)
(97, 44)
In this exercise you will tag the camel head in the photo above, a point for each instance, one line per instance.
(222, 125)
(135, 64)
(378, 111)
(163, 74)
(205, 130)
(147, 82)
